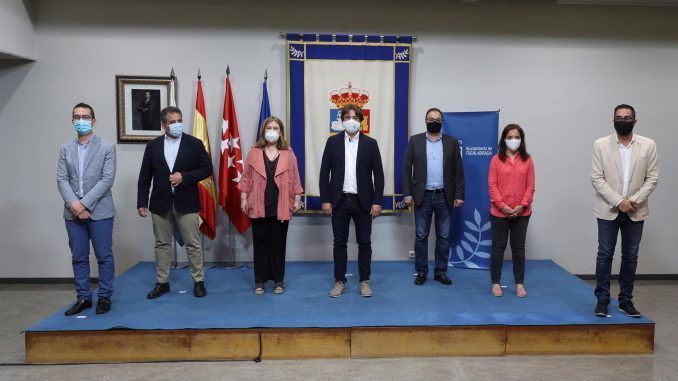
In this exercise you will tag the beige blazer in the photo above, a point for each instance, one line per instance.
(607, 176)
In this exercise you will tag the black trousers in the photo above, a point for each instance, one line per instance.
(269, 239)
(502, 228)
(349, 208)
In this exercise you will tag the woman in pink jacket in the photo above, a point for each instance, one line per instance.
(511, 186)
(270, 192)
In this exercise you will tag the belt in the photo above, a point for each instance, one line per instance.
(438, 190)
(350, 194)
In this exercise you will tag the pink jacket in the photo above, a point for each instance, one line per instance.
(511, 183)
(253, 182)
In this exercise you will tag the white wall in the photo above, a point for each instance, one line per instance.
(557, 71)
(16, 30)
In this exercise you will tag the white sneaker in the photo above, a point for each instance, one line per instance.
(338, 289)
(365, 289)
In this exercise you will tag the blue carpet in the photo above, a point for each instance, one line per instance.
(555, 297)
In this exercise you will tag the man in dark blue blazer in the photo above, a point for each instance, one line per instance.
(175, 162)
(351, 187)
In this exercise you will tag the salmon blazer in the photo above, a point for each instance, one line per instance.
(254, 178)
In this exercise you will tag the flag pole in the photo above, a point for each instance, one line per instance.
(231, 264)
(173, 100)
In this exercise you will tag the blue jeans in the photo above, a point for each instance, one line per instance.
(631, 233)
(80, 232)
(434, 202)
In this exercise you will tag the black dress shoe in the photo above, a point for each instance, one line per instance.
(78, 307)
(629, 309)
(601, 309)
(199, 289)
(159, 290)
(421, 279)
(103, 305)
(442, 278)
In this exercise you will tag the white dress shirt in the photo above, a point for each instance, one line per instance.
(171, 148)
(171, 151)
(350, 156)
(625, 153)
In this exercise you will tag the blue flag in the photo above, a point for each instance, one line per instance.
(177, 234)
(265, 111)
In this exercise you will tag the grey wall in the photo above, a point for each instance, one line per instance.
(558, 71)
(16, 30)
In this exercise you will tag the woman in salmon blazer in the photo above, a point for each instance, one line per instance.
(270, 191)
(511, 188)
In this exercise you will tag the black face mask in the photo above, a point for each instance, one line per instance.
(433, 127)
(623, 128)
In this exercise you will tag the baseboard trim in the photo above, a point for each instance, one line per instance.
(95, 280)
(638, 276)
(41, 280)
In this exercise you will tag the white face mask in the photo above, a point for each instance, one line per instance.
(271, 136)
(351, 126)
(512, 144)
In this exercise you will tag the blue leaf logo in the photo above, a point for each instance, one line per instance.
(473, 246)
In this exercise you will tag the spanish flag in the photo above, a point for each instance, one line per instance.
(206, 188)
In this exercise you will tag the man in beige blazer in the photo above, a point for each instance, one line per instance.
(624, 173)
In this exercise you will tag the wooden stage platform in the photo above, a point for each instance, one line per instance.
(400, 320)
(323, 343)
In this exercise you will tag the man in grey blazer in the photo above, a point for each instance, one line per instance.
(624, 173)
(433, 180)
(85, 176)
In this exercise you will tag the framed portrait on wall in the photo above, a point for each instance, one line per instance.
(139, 101)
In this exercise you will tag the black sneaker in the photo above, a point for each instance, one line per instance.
(629, 309)
(601, 309)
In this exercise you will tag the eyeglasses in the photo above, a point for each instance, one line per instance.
(432, 120)
(81, 117)
(624, 119)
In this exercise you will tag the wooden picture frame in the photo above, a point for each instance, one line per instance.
(139, 100)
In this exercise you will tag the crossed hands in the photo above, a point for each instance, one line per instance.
(627, 206)
(79, 210)
(513, 213)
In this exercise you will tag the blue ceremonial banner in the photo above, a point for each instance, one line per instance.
(326, 72)
(470, 233)
(265, 110)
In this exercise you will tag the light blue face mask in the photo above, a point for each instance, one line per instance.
(82, 127)
(176, 129)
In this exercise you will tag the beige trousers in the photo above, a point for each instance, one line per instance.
(189, 226)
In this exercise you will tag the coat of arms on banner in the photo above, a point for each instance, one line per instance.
(327, 72)
(345, 96)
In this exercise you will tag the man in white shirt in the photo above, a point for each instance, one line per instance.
(624, 173)
(351, 187)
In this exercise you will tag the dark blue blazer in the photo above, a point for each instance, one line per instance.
(368, 167)
(192, 162)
